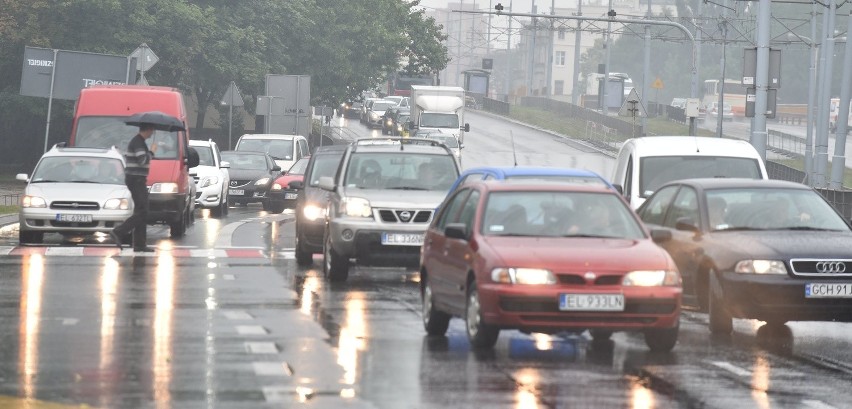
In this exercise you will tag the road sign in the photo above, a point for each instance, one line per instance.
(232, 96)
(145, 57)
(658, 84)
(632, 106)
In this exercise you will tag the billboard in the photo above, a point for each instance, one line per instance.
(290, 108)
(71, 71)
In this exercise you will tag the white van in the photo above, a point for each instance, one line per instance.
(644, 164)
(284, 149)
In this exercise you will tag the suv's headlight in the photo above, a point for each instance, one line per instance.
(164, 188)
(117, 204)
(209, 181)
(33, 202)
(276, 186)
(261, 181)
(356, 207)
(651, 278)
(313, 212)
(530, 276)
(760, 267)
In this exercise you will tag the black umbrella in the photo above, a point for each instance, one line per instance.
(160, 120)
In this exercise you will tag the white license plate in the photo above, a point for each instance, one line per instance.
(591, 302)
(402, 239)
(236, 192)
(828, 290)
(74, 218)
(293, 196)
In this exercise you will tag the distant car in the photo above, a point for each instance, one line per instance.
(351, 109)
(401, 101)
(211, 178)
(394, 121)
(281, 195)
(376, 111)
(252, 174)
(679, 103)
(74, 191)
(446, 139)
(311, 202)
(712, 110)
(547, 257)
(284, 149)
(768, 250)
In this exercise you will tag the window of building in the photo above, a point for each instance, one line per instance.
(561, 34)
(560, 58)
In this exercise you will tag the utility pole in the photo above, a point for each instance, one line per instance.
(531, 64)
(723, 25)
(575, 87)
(458, 46)
(646, 70)
(838, 162)
(761, 78)
(607, 44)
(809, 137)
(508, 84)
(697, 58)
(821, 145)
(549, 77)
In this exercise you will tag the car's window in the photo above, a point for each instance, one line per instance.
(472, 177)
(299, 167)
(654, 210)
(450, 212)
(381, 106)
(685, 205)
(243, 161)
(400, 170)
(303, 146)
(79, 169)
(105, 132)
(628, 179)
(558, 214)
(324, 165)
(439, 120)
(277, 148)
(656, 171)
(468, 211)
(764, 208)
(205, 155)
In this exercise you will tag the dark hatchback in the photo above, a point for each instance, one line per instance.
(311, 202)
(252, 174)
(769, 250)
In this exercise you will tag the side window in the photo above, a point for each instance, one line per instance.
(654, 210)
(303, 145)
(471, 178)
(628, 179)
(451, 209)
(685, 205)
(468, 212)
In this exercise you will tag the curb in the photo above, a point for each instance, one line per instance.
(7, 219)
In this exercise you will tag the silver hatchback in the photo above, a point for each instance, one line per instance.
(74, 191)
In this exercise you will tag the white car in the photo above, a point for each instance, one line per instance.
(211, 178)
(74, 191)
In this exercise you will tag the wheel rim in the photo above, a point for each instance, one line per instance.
(473, 313)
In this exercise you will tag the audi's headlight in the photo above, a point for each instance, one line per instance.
(117, 204)
(529, 276)
(760, 267)
(261, 181)
(33, 202)
(313, 212)
(651, 278)
(209, 181)
(356, 207)
(164, 188)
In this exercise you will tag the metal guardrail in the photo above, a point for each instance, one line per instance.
(625, 129)
(10, 199)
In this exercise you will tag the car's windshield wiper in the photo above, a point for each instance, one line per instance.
(809, 228)
(593, 236)
(82, 181)
(741, 228)
(407, 188)
(45, 181)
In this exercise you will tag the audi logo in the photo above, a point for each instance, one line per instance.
(405, 215)
(835, 267)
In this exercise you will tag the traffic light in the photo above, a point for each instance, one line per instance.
(498, 7)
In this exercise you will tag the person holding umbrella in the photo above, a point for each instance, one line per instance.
(138, 160)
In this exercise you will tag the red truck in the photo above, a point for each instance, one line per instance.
(99, 122)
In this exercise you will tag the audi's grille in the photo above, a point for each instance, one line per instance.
(58, 205)
(405, 216)
(827, 268)
(239, 183)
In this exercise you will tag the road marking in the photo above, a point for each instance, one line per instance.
(817, 404)
(238, 315)
(208, 253)
(107, 251)
(732, 368)
(229, 277)
(261, 347)
(142, 322)
(70, 321)
(225, 234)
(251, 330)
(272, 369)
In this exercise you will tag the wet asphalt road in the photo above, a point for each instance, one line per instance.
(224, 318)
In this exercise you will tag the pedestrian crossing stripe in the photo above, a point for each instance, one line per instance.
(214, 253)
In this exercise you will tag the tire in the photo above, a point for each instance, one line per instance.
(267, 206)
(434, 322)
(480, 334)
(303, 258)
(600, 335)
(30, 237)
(721, 322)
(661, 339)
(177, 228)
(335, 266)
(702, 291)
(216, 211)
(277, 208)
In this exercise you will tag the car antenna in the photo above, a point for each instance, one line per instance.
(697, 148)
(514, 154)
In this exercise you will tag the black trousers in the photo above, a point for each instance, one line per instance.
(137, 222)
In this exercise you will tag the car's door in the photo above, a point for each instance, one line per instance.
(459, 253)
(686, 245)
(435, 251)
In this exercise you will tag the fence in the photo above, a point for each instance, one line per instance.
(10, 199)
(625, 129)
(495, 106)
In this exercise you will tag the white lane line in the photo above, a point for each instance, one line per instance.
(142, 322)
(5, 250)
(731, 368)
(275, 394)
(261, 347)
(70, 321)
(208, 253)
(229, 277)
(817, 404)
(271, 369)
(251, 330)
(238, 315)
(63, 251)
(225, 234)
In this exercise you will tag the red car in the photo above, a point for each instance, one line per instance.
(547, 258)
(281, 196)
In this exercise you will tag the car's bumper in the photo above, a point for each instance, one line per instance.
(45, 220)
(209, 197)
(287, 197)
(165, 207)
(537, 309)
(248, 194)
(364, 241)
(780, 298)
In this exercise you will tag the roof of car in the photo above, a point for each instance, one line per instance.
(269, 136)
(691, 145)
(504, 171)
(416, 145)
(79, 151)
(331, 148)
(723, 183)
(197, 142)
(496, 186)
(253, 153)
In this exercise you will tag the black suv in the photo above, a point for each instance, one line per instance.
(310, 205)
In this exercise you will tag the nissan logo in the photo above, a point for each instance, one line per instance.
(836, 267)
(405, 215)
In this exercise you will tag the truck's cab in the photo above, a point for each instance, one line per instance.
(99, 122)
(439, 109)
